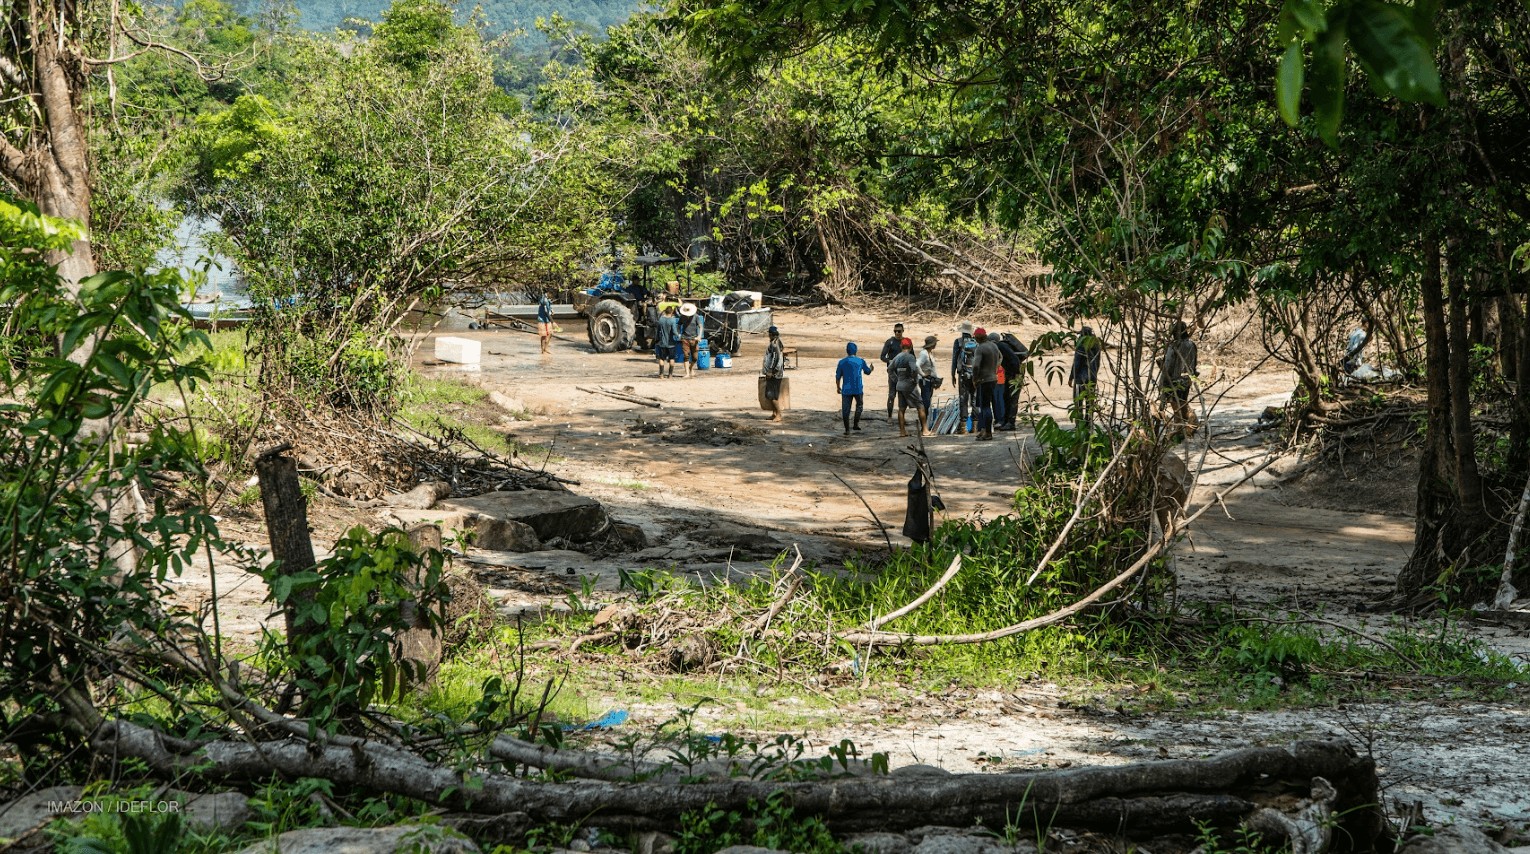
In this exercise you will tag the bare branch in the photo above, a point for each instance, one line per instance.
(895, 639)
(956, 566)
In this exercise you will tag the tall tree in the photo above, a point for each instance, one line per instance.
(44, 149)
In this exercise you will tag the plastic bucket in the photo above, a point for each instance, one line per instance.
(723, 360)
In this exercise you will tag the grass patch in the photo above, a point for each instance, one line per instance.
(429, 404)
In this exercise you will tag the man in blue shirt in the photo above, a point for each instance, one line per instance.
(666, 337)
(847, 379)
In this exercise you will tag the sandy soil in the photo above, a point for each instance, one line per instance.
(707, 470)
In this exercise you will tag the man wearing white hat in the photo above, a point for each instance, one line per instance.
(690, 334)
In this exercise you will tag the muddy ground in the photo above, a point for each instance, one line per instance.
(718, 489)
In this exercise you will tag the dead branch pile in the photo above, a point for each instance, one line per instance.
(1358, 429)
(356, 458)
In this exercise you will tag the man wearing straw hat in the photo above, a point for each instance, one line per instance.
(690, 334)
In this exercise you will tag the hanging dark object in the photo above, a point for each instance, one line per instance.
(918, 521)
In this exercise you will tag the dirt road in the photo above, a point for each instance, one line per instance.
(706, 472)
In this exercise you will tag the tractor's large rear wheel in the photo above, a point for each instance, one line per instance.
(611, 327)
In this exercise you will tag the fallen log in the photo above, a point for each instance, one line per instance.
(621, 395)
(1134, 800)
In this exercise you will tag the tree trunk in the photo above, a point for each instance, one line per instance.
(286, 511)
(1450, 526)
(1133, 800)
(1462, 434)
(53, 170)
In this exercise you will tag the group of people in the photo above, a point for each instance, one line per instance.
(985, 368)
(676, 336)
(981, 367)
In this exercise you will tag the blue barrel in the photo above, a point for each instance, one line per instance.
(703, 355)
(724, 360)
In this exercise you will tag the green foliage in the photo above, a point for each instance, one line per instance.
(498, 16)
(388, 176)
(348, 614)
(66, 520)
(1239, 841)
(413, 33)
(771, 824)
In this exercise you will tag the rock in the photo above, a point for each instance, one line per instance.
(551, 514)
(879, 843)
(1455, 839)
(221, 811)
(951, 840)
(422, 497)
(513, 405)
(506, 535)
(654, 843)
(919, 771)
(31, 811)
(750, 540)
(416, 838)
(492, 534)
(630, 536)
(490, 829)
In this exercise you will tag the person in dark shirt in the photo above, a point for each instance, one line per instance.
(961, 376)
(1180, 366)
(848, 382)
(773, 369)
(666, 337)
(985, 373)
(544, 322)
(1084, 374)
(1012, 353)
(890, 350)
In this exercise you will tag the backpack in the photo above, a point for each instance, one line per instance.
(969, 356)
(1015, 345)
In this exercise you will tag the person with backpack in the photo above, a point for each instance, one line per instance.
(905, 372)
(1180, 365)
(1014, 354)
(848, 382)
(961, 376)
(985, 375)
(1084, 374)
(890, 349)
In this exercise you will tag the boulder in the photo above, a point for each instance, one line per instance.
(221, 811)
(506, 535)
(416, 839)
(575, 518)
(629, 536)
(498, 535)
(879, 843)
(28, 812)
(1454, 839)
(422, 497)
(920, 771)
(951, 840)
(745, 539)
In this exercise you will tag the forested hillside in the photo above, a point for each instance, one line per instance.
(501, 15)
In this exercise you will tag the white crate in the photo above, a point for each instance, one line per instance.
(463, 351)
